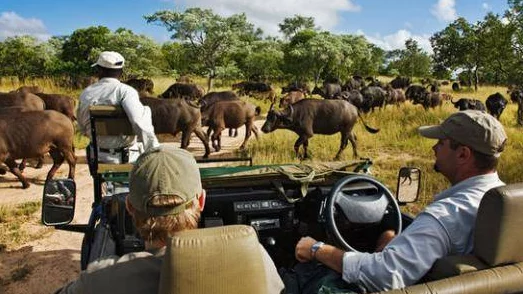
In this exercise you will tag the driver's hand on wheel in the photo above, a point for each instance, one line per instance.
(303, 249)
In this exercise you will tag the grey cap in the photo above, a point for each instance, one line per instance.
(475, 129)
(164, 172)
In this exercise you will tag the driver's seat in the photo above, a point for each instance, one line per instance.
(496, 265)
(219, 260)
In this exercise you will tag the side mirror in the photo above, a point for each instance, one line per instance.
(408, 185)
(58, 202)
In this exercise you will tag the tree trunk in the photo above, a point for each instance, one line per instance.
(476, 79)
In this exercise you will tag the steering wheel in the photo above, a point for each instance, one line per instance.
(359, 208)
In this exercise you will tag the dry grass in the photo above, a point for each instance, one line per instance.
(12, 219)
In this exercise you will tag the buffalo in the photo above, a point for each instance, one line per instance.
(495, 104)
(186, 91)
(394, 96)
(400, 82)
(354, 97)
(171, 116)
(355, 83)
(416, 93)
(31, 134)
(291, 98)
(430, 100)
(249, 88)
(141, 85)
(455, 87)
(516, 96)
(230, 114)
(329, 91)
(212, 97)
(312, 116)
(469, 103)
(297, 86)
(373, 96)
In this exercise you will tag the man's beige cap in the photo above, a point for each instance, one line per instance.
(164, 171)
(475, 129)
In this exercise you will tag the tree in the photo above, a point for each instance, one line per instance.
(24, 57)
(411, 61)
(292, 25)
(209, 36)
(79, 48)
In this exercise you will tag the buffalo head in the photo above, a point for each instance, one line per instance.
(277, 119)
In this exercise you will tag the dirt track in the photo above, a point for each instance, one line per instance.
(48, 263)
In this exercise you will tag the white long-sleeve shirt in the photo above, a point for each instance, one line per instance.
(444, 228)
(110, 91)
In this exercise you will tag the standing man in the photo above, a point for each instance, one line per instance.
(467, 153)
(110, 91)
(166, 197)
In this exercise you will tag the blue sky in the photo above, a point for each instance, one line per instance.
(387, 23)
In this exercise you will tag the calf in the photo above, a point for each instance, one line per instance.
(230, 114)
(212, 97)
(172, 116)
(34, 133)
(312, 116)
(496, 103)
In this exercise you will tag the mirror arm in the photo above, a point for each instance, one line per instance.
(80, 228)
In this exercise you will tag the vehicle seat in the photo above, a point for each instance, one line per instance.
(107, 120)
(217, 260)
(496, 265)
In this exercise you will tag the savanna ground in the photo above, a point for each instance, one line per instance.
(37, 259)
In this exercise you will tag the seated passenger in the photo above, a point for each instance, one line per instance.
(110, 91)
(165, 197)
(467, 152)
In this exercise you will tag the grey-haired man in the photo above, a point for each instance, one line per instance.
(110, 91)
(165, 197)
(467, 151)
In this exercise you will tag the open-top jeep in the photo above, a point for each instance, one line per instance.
(338, 203)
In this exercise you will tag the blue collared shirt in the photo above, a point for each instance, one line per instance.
(444, 228)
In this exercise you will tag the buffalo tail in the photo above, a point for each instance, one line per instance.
(369, 129)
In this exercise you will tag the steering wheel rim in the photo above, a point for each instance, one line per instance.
(334, 194)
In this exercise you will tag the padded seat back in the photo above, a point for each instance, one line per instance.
(218, 260)
(498, 234)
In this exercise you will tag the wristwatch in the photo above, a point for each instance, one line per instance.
(315, 247)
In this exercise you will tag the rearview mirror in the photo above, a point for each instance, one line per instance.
(408, 184)
(58, 202)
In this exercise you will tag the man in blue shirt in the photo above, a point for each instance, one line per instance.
(467, 152)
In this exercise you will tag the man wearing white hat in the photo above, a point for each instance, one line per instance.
(110, 91)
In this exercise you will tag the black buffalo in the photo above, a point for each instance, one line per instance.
(329, 91)
(186, 91)
(373, 96)
(400, 82)
(416, 93)
(516, 96)
(496, 103)
(469, 103)
(297, 86)
(312, 116)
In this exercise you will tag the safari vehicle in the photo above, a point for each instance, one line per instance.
(338, 203)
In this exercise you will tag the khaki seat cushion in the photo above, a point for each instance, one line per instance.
(115, 168)
(218, 260)
(454, 265)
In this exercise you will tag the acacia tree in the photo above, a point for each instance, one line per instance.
(208, 35)
(292, 25)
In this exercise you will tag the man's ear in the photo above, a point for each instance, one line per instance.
(465, 153)
(201, 199)
(129, 207)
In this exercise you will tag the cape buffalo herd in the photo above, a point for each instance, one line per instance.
(33, 123)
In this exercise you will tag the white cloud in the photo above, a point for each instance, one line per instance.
(397, 40)
(445, 10)
(486, 6)
(11, 24)
(267, 14)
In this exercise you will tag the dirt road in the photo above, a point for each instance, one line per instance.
(47, 263)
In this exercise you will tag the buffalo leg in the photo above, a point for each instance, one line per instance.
(255, 131)
(186, 136)
(13, 167)
(22, 165)
(344, 142)
(302, 140)
(248, 127)
(71, 161)
(205, 140)
(216, 144)
(40, 162)
(58, 159)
